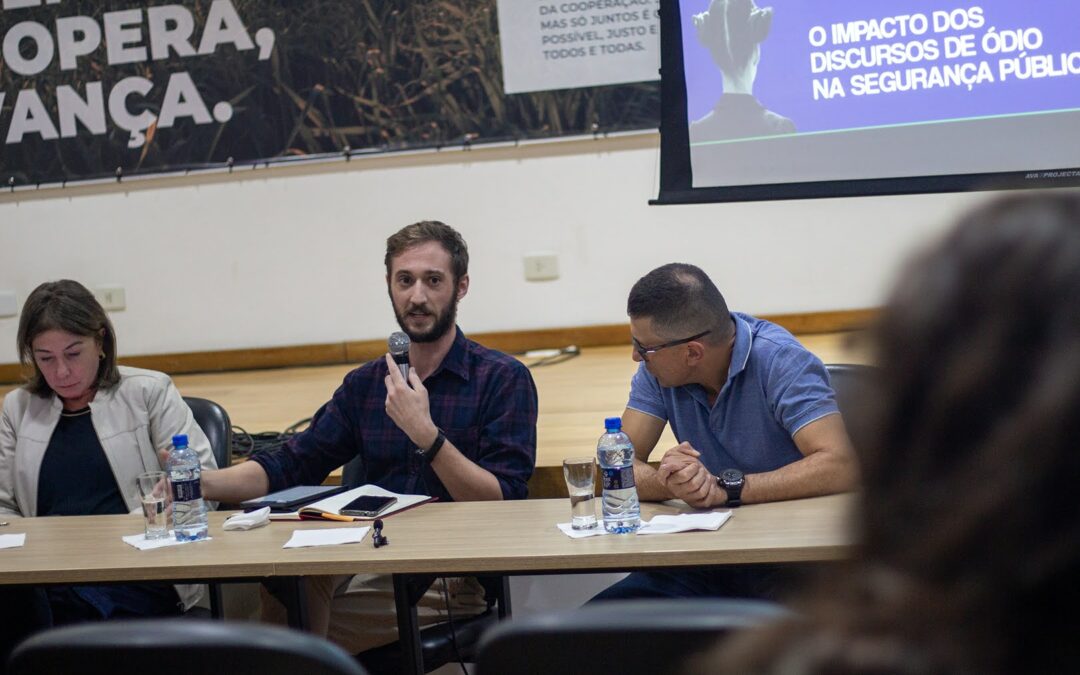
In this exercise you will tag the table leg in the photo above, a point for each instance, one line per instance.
(294, 597)
(217, 610)
(412, 657)
(504, 602)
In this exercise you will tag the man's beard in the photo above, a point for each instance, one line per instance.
(443, 323)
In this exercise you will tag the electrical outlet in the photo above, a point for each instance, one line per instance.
(8, 305)
(541, 266)
(111, 298)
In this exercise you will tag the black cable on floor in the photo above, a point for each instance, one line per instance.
(561, 355)
(453, 632)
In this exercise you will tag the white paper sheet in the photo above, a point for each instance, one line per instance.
(685, 522)
(12, 540)
(326, 537)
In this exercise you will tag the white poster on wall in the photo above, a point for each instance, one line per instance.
(563, 44)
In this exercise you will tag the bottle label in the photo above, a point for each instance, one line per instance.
(186, 490)
(618, 478)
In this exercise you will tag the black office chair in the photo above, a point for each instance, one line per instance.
(217, 426)
(630, 637)
(179, 647)
(441, 643)
(855, 386)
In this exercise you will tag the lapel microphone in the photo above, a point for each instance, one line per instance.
(377, 537)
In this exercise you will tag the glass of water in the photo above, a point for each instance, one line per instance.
(580, 475)
(154, 490)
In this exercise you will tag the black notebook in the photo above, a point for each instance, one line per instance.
(292, 498)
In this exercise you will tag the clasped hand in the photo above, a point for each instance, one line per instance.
(682, 472)
(407, 405)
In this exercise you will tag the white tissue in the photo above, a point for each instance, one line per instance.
(249, 520)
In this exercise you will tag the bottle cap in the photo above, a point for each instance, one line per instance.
(179, 441)
(613, 423)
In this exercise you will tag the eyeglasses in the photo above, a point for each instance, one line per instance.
(644, 351)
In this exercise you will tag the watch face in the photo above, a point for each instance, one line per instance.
(730, 476)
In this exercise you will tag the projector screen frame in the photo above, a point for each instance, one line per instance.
(676, 174)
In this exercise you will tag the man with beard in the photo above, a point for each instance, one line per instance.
(462, 428)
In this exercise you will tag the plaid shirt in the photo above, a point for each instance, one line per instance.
(483, 400)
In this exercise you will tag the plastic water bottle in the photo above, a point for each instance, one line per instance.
(622, 513)
(189, 509)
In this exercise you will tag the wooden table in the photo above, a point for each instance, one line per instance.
(444, 538)
(439, 538)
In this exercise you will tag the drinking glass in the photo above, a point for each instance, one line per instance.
(580, 475)
(154, 490)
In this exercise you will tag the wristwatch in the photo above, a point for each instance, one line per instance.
(430, 453)
(732, 480)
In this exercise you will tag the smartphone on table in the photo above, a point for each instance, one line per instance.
(367, 506)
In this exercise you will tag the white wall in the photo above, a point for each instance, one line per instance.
(294, 256)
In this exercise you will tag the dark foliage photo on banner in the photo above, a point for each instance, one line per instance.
(89, 88)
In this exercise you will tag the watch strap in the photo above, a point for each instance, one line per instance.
(430, 453)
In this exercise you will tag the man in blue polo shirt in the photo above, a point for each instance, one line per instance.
(752, 409)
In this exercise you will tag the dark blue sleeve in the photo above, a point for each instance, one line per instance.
(328, 442)
(508, 430)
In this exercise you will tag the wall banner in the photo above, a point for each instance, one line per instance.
(562, 44)
(93, 88)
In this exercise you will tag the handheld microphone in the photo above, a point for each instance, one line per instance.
(399, 351)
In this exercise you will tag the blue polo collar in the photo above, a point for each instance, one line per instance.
(740, 356)
(740, 351)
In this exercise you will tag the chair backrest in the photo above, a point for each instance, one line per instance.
(179, 647)
(352, 474)
(217, 426)
(855, 386)
(850, 381)
(630, 637)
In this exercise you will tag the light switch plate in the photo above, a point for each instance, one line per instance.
(111, 298)
(541, 266)
(8, 305)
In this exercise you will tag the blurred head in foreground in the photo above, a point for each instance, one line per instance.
(968, 524)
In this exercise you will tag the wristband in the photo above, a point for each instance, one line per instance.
(430, 453)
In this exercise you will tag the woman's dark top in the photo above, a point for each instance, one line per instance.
(75, 478)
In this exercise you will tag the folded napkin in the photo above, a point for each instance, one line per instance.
(569, 530)
(326, 537)
(140, 541)
(12, 540)
(249, 520)
(683, 522)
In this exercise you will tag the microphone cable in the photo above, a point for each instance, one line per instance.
(246, 444)
(450, 620)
